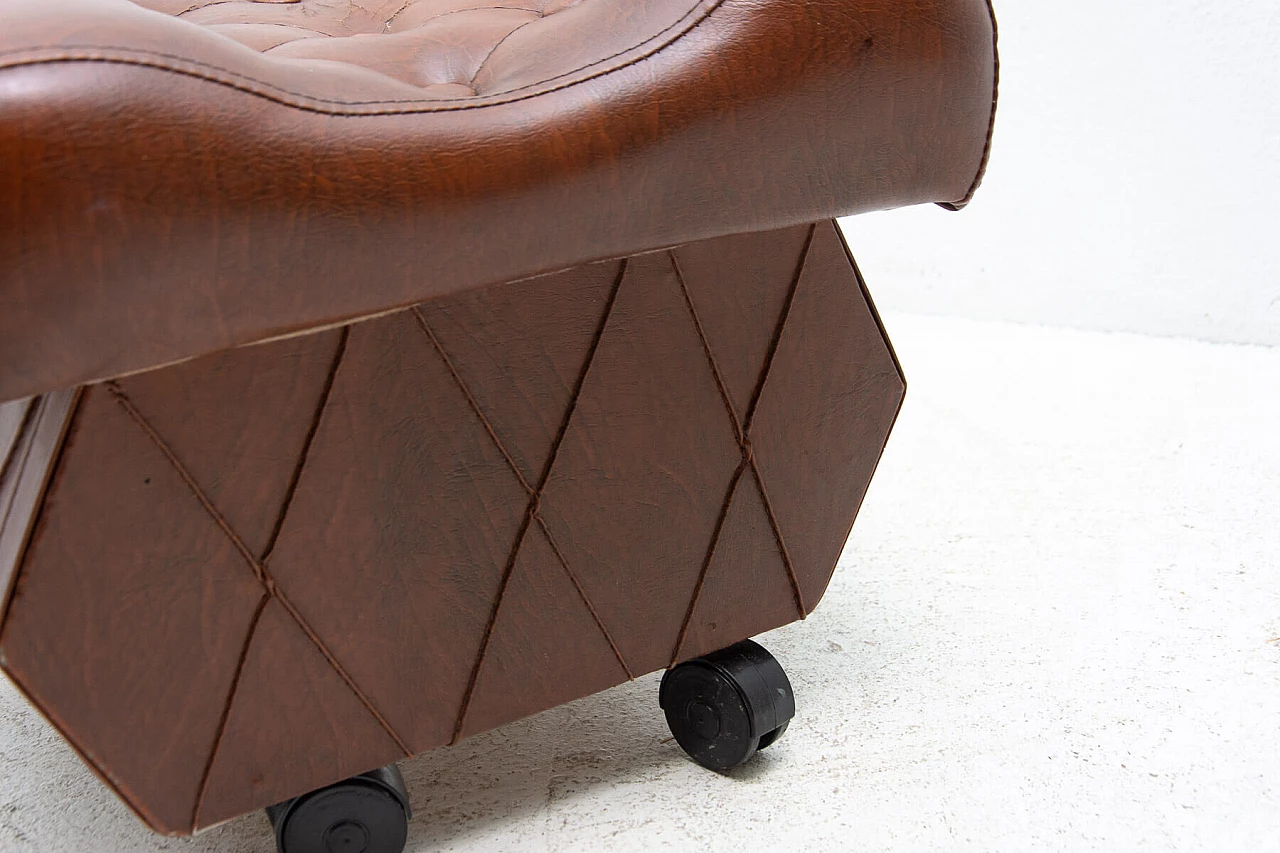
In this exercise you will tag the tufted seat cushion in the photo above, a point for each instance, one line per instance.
(449, 49)
(178, 177)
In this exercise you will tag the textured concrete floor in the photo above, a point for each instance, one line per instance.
(1056, 626)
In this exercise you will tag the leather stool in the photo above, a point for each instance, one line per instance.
(379, 372)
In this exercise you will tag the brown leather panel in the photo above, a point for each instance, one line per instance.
(519, 350)
(294, 726)
(639, 482)
(238, 420)
(166, 192)
(32, 437)
(382, 612)
(402, 524)
(832, 396)
(546, 647)
(738, 286)
(746, 591)
(127, 620)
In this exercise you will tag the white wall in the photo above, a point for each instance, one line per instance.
(1134, 182)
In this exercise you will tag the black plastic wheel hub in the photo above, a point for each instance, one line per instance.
(347, 836)
(365, 814)
(726, 706)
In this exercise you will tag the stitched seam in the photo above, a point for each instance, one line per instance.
(744, 448)
(197, 6)
(297, 27)
(314, 34)
(233, 79)
(991, 122)
(387, 24)
(152, 60)
(435, 18)
(509, 568)
(341, 671)
(865, 292)
(744, 441)
(738, 432)
(259, 571)
(582, 593)
(485, 639)
(534, 496)
(163, 446)
(306, 444)
(226, 708)
(729, 494)
(739, 437)
(500, 43)
(121, 793)
(782, 542)
(534, 500)
(655, 37)
(777, 332)
(742, 433)
(582, 376)
(751, 413)
(266, 50)
(471, 400)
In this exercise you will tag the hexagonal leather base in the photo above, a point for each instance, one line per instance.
(260, 572)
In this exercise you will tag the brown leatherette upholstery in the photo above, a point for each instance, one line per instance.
(193, 176)
(265, 570)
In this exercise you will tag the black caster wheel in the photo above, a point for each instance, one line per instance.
(726, 706)
(368, 813)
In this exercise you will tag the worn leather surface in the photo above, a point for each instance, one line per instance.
(194, 176)
(262, 571)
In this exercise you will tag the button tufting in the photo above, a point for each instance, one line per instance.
(451, 48)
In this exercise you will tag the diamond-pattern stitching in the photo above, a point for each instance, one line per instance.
(832, 411)
(742, 433)
(532, 511)
(634, 514)
(258, 566)
(634, 499)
